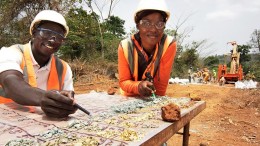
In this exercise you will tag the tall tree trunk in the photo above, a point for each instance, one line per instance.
(100, 30)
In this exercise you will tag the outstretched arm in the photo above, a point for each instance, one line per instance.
(52, 103)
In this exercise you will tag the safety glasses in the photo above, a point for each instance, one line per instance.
(51, 35)
(147, 24)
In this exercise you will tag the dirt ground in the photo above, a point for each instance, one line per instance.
(231, 118)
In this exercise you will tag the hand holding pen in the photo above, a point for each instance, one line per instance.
(57, 104)
(146, 87)
(150, 78)
(71, 95)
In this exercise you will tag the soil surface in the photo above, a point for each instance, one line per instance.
(231, 118)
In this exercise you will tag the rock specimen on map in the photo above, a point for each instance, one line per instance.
(111, 91)
(171, 112)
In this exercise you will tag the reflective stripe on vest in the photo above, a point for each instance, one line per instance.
(56, 77)
(130, 47)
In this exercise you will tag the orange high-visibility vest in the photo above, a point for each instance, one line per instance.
(131, 55)
(127, 50)
(56, 76)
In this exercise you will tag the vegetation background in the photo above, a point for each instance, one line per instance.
(91, 46)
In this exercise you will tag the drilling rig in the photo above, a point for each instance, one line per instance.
(235, 72)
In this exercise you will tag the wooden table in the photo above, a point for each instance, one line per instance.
(170, 129)
(17, 121)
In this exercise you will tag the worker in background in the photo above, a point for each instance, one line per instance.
(32, 75)
(222, 81)
(214, 75)
(150, 50)
(249, 76)
(190, 74)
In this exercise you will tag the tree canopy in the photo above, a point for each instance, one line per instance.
(93, 36)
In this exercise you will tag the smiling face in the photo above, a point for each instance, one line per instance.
(48, 37)
(149, 32)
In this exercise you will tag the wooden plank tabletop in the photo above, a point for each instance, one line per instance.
(166, 133)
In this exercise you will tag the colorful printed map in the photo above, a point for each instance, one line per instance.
(115, 120)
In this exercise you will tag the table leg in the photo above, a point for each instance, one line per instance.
(186, 134)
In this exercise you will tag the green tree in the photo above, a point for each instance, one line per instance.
(16, 17)
(115, 26)
(100, 18)
(113, 32)
(188, 58)
(244, 53)
(211, 61)
(244, 57)
(82, 41)
(255, 39)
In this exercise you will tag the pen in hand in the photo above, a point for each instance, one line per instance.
(81, 108)
(78, 106)
(150, 79)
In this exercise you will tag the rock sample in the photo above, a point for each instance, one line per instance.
(171, 112)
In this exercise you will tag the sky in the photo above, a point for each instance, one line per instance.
(217, 21)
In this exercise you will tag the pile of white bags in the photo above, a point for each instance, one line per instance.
(245, 84)
(178, 81)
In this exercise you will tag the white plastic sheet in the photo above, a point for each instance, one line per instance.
(247, 84)
(177, 80)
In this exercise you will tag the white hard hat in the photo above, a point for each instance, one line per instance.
(50, 15)
(152, 5)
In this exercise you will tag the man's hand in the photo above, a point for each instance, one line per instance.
(69, 94)
(58, 104)
(145, 88)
